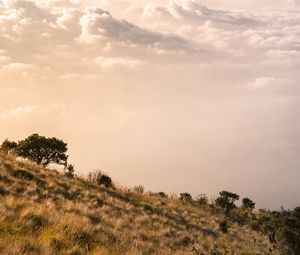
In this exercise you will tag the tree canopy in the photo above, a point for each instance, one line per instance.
(39, 149)
(8, 146)
(227, 200)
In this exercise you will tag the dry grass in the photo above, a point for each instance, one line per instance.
(45, 212)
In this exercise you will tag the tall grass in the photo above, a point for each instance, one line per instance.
(45, 212)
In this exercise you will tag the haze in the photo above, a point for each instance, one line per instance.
(178, 96)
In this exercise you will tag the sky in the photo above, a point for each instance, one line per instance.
(177, 96)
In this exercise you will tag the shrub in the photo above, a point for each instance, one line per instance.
(186, 197)
(287, 231)
(282, 227)
(202, 199)
(248, 203)
(226, 200)
(223, 226)
(100, 178)
(162, 194)
(94, 175)
(139, 189)
(105, 180)
(70, 170)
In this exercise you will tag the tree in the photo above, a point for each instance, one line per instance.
(42, 150)
(227, 199)
(248, 203)
(8, 146)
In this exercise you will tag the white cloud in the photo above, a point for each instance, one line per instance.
(270, 82)
(22, 69)
(4, 59)
(97, 24)
(107, 62)
(17, 112)
(69, 20)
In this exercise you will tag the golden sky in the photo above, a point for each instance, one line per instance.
(180, 95)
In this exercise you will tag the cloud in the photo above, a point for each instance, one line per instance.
(4, 59)
(191, 9)
(272, 84)
(106, 62)
(150, 78)
(22, 69)
(69, 20)
(182, 26)
(17, 112)
(193, 12)
(99, 24)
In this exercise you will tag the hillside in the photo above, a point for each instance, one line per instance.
(45, 212)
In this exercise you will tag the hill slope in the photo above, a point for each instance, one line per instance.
(45, 212)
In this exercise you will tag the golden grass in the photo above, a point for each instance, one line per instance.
(45, 212)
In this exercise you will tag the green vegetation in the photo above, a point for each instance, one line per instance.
(47, 212)
(227, 199)
(185, 197)
(100, 178)
(248, 203)
(202, 199)
(70, 170)
(39, 149)
(8, 146)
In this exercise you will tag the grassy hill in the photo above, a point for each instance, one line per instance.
(45, 212)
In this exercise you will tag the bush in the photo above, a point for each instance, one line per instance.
(248, 203)
(139, 189)
(282, 227)
(100, 178)
(94, 175)
(70, 170)
(186, 197)
(287, 231)
(105, 180)
(202, 199)
(162, 194)
(223, 226)
(226, 200)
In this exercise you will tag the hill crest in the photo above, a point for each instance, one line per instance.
(45, 212)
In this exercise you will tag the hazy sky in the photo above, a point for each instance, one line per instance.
(180, 95)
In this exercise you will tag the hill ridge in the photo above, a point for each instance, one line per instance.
(45, 212)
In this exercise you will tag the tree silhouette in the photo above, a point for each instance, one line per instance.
(227, 199)
(42, 150)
